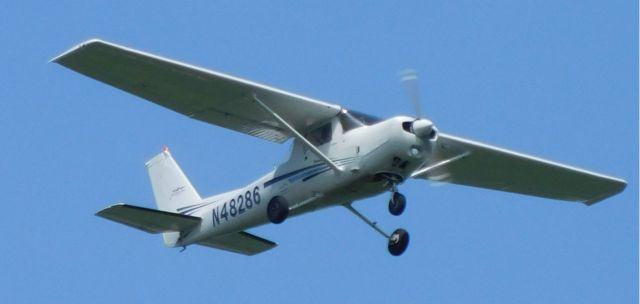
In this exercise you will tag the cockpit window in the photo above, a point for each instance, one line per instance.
(353, 119)
(321, 135)
(365, 118)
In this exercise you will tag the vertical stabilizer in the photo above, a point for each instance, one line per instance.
(171, 187)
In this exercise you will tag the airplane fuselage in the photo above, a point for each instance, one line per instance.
(366, 155)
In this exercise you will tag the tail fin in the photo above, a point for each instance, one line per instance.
(171, 189)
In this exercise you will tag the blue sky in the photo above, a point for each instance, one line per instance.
(555, 79)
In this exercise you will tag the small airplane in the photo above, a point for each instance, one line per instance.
(338, 156)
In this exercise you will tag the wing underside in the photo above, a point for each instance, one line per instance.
(480, 165)
(201, 94)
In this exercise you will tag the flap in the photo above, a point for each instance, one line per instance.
(201, 94)
(149, 220)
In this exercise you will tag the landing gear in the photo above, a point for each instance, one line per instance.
(277, 210)
(397, 241)
(397, 203)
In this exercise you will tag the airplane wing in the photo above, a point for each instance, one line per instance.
(239, 242)
(461, 161)
(198, 93)
(149, 220)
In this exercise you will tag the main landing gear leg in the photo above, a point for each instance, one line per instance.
(397, 241)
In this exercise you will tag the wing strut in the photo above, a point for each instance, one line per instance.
(297, 135)
(440, 164)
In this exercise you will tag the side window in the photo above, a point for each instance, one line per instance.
(321, 135)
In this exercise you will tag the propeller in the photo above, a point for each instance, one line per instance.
(424, 129)
(409, 78)
(421, 127)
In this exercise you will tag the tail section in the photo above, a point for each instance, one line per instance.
(171, 188)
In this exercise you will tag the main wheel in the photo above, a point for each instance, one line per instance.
(277, 210)
(397, 203)
(398, 242)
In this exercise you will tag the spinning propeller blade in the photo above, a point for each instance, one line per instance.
(421, 127)
(409, 78)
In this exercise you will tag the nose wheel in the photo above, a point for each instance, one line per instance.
(397, 203)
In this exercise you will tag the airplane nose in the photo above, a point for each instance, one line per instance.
(425, 129)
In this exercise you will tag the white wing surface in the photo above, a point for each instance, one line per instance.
(461, 161)
(201, 94)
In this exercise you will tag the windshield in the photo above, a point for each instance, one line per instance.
(366, 119)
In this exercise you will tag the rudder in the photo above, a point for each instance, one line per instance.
(171, 187)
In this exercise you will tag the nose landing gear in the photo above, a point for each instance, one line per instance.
(397, 203)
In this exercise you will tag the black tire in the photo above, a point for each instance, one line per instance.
(277, 210)
(398, 242)
(397, 203)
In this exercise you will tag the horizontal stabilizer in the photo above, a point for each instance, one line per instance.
(149, 220)
(240, 242)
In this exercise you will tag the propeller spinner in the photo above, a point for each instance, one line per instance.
(421, 127)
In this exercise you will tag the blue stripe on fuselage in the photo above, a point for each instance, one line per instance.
(311, 171)
(286, 175)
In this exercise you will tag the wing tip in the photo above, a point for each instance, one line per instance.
(618, 186)
(85, 43)
(103, 211)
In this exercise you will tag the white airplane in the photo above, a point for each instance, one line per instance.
(339, 156)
